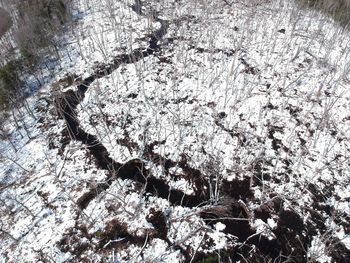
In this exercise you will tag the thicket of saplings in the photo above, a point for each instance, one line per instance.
(38, 23)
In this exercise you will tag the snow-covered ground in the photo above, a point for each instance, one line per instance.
(245, 104)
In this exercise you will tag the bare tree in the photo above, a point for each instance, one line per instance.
(5, 21)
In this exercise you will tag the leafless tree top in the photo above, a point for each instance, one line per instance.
(5, 21)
